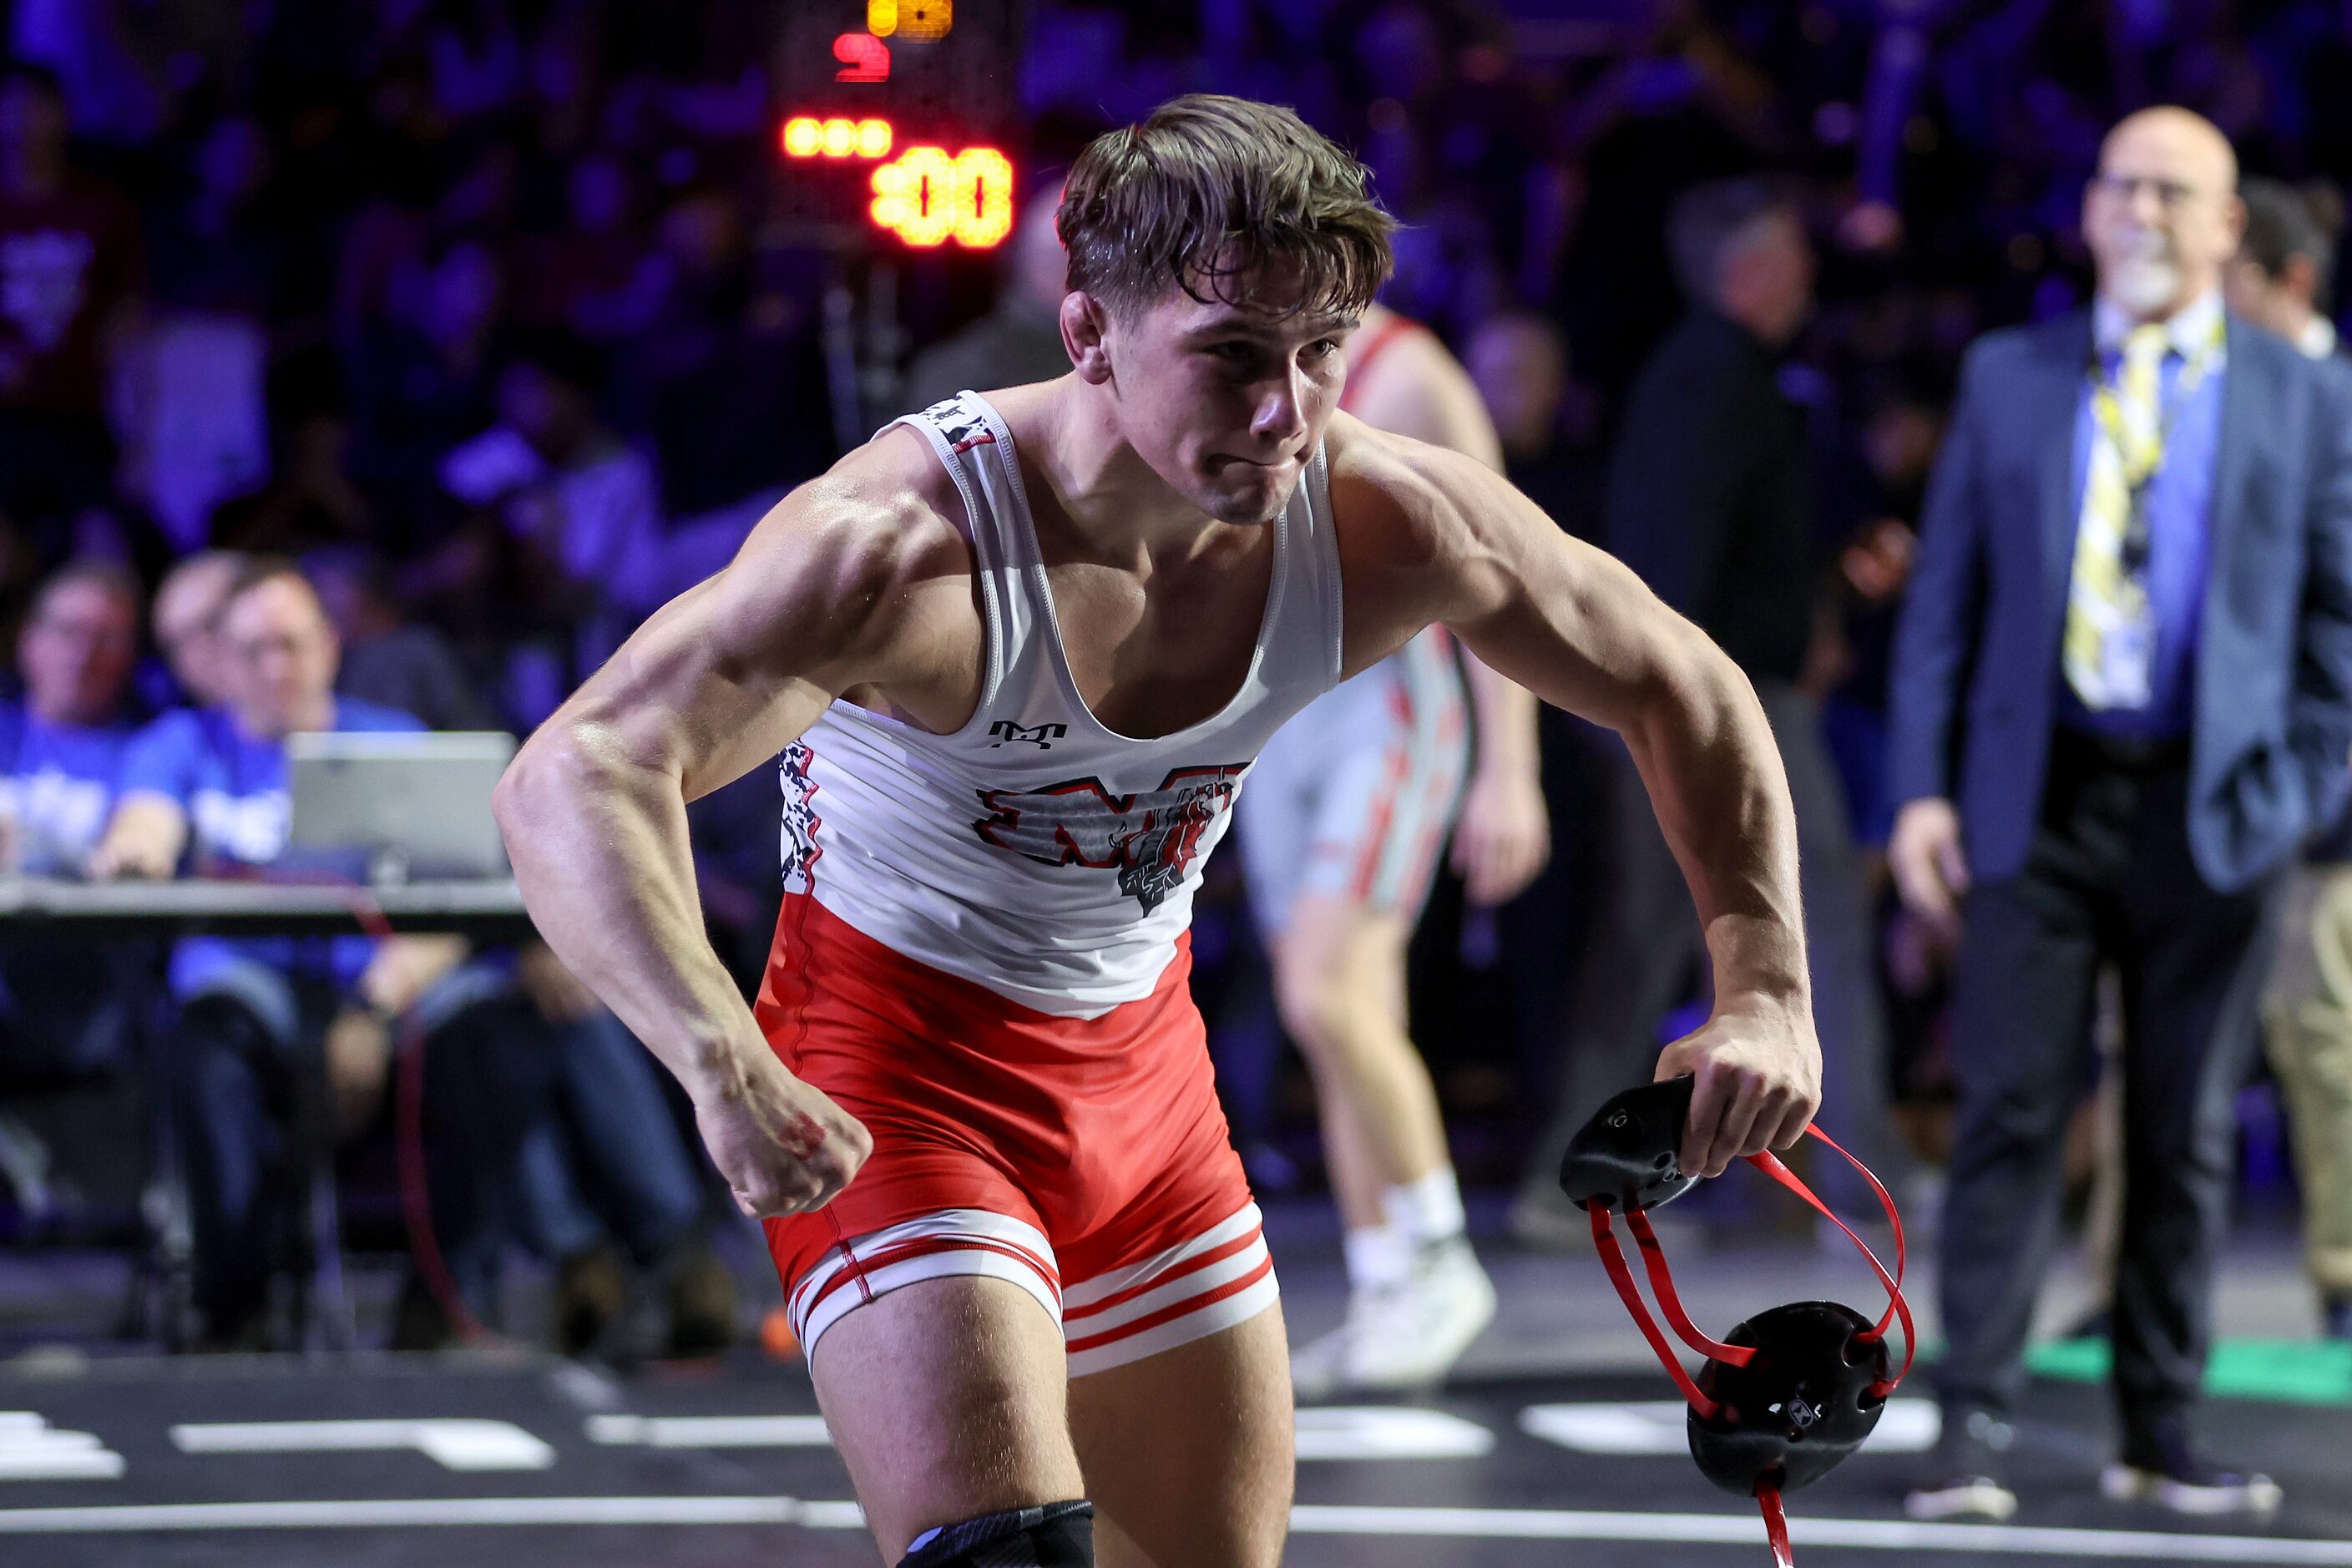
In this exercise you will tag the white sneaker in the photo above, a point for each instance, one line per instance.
(2205, 1493)
(1405, 1335)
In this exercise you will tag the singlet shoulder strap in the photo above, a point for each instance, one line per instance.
(957, 428)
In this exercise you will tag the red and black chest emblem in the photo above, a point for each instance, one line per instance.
(1152, 838)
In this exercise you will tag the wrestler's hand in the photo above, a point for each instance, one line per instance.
(783, 1147)
(1756, 1071)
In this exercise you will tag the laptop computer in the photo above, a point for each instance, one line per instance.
(417, 803)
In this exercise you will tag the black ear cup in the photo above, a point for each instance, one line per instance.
(1807, 1398)
(1624, 1158)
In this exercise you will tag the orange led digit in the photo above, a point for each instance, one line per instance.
(914, 196)
(983, 197)
(919, 19)
(926, 199)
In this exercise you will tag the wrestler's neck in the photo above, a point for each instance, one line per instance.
(1103, 490)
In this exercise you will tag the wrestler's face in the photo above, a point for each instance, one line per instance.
(1226, 402)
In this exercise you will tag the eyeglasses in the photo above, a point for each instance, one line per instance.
(2170, 194)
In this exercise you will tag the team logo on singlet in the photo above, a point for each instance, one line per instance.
(962, 429)
(799, 845)
(1041, 736)
(1150, 838)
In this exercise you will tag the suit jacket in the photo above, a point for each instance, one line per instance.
(1975, 685)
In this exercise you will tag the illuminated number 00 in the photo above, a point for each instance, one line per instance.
(925, 197)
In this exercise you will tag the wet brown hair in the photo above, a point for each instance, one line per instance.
(1211, 192)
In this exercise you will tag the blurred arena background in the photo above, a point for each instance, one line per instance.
(398, 357)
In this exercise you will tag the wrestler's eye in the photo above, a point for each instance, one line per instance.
(1322, 348)
(1235, 352)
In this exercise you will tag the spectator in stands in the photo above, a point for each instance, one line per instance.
(577, 508)
(311, 500)
(187, 607)
(62, 1016)
(388, 659)
(2280, 280)
(220, 247)
(1021, 340)
(423, 378)
(61, 754)
(1521, 367)
(261, 1021)
(725, 372)
(2122, 701)
(69, 251)
(1710, 500)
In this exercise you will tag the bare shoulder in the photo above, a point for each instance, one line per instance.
(859, 550)
(1402, 504)
(887, 508)
(1428, 534)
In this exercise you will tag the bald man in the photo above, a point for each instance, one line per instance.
(2122, 698)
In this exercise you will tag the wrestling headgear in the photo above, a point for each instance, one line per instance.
(1793, 1390)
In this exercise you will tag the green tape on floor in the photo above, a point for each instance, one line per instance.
(2298, 1372)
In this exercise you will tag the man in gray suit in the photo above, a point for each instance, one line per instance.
(2122, 701)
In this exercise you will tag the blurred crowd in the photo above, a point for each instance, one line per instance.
(402, 355)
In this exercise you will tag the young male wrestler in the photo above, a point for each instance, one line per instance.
(1017, 655)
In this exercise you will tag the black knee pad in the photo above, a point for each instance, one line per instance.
(1058, 1535)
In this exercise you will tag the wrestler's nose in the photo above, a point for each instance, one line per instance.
(1281, 415)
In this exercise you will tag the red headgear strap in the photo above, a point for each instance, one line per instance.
(1653, 1259)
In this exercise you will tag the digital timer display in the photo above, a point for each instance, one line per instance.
(909, 100)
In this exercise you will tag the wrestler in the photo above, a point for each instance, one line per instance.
(1017, 655)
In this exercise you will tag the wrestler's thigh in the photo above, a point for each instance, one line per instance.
(1188, 1453)
(948, 1400)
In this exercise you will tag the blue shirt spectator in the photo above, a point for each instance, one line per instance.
(56, 786)
(232, 786)
(61, 748)
(60, 759)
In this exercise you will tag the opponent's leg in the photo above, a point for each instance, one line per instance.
(948, 1400)
(1339, 982)
(1188, 1453)
(1418, 1295)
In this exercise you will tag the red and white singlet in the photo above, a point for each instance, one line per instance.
(1033, 852)
(983, 957)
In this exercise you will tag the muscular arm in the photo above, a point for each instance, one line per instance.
(1504, 837)
(1438, 537)
(831, 591)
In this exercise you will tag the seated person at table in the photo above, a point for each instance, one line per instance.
(208, 790)
(60, 753)
(186, 610)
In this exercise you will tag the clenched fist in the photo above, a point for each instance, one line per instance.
(783, 1147)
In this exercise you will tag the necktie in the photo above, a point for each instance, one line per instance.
(2110, 647)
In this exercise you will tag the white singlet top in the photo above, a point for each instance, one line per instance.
(1033, 852)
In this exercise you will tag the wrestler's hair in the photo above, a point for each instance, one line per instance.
(1211, 194)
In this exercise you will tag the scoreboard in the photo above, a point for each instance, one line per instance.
(899, 116)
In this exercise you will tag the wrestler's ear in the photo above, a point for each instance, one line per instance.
(1085, 334)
